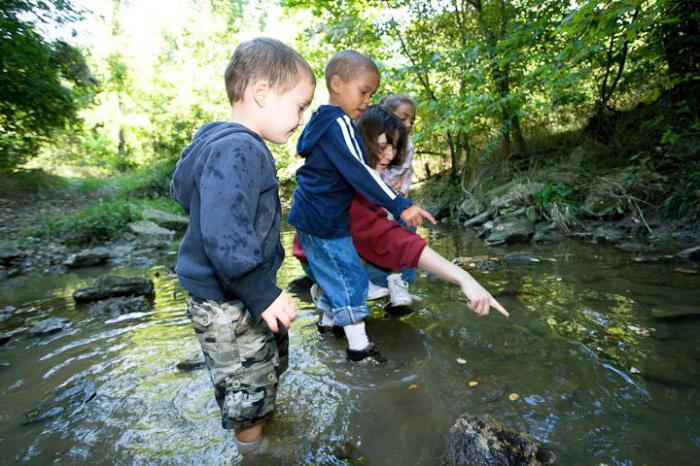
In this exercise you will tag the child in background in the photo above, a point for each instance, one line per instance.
(385, 243)
(228, 259)
(399, 175)
(335, 166)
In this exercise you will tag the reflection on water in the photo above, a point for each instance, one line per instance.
(601, 378)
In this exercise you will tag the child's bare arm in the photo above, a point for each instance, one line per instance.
(480, 300)
(282, 309)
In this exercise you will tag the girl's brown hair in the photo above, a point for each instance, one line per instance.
(393, 102)
(376, 121)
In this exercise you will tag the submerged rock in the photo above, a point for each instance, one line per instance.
(485, 263)
(690, 253)
(481, 440)
(71, 397)
(88, 258)
(49, 326)
(521, 258)
(193, 363)
(122, 305)
(166, 219)
(114, 286)
(631, 246)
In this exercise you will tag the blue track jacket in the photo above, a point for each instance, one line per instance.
(335, 165)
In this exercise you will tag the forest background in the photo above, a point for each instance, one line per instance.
(594, 102)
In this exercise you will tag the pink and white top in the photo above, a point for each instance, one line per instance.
(399, 176)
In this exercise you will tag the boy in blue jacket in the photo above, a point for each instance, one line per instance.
(229, 256)
(335, 165)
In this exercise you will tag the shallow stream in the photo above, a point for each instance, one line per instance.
(599, 377)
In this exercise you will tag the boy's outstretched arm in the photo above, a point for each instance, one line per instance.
(480, 300)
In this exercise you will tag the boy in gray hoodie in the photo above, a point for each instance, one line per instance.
(229, 256)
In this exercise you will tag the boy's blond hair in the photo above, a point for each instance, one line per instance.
(264, 58)
(347, 64)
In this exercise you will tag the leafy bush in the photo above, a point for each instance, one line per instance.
(99, 221)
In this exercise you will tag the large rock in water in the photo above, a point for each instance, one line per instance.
(114, 286)
(124, 305)
(166, 219)
(510, 230)
(49, 326)
(481, 440)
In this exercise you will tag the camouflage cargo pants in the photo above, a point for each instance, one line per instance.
(245, 359)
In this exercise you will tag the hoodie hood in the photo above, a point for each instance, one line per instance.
(184, 178)
(317, 126)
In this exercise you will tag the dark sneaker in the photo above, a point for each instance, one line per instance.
(336, 330)
(369, 354)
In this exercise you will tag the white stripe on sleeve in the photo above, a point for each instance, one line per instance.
(352, 133)
(348, 142)
(347, 130)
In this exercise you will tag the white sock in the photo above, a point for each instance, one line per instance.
(326, 320)
(245, 448)
(357, 336)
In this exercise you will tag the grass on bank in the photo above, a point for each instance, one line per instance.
(118, 201)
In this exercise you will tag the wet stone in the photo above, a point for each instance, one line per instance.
(9, 252)
(123, 305)
(521, 258)
(607, 234)
(114, 286)
(67, 399)
(146, 228)
(5, 338)
(509, 231)
(49, 326)
(630, 246)
(88, 258)
(690, 253)
(166, 219)
(478, 220)
(192, 363)
(476, 440)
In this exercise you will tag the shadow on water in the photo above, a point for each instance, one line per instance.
(602, 352)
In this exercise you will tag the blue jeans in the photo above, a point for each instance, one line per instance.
(338, 270)
(377, 275)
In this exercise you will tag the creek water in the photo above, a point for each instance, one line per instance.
(600, 378)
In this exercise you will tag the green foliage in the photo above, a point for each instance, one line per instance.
(42, 84)
(100, 221)
(685, 199)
